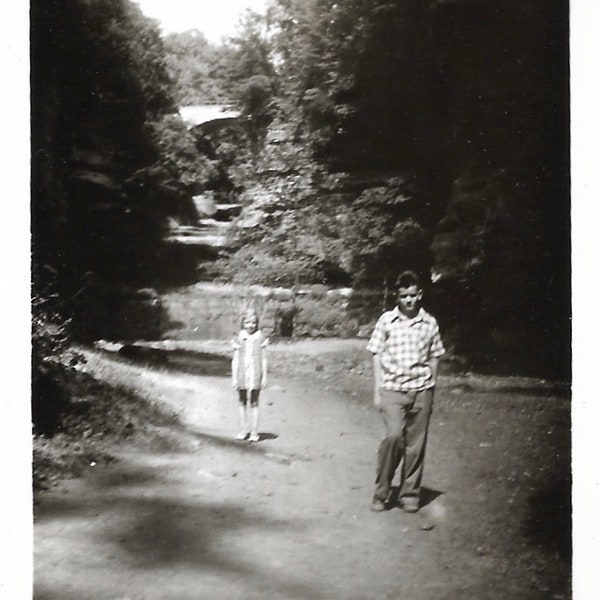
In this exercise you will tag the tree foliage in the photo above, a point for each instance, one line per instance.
(466, 100)
(378, 242)
(108, 166)
(98, 83)
(200, 70)
(370, 129)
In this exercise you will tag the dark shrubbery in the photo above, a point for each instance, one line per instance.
(96, 417)
(53, 361)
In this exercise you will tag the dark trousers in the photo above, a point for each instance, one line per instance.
(406, 418)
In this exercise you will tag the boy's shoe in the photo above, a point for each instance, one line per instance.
(254, 437)
(378, 505)
(409, 505)
(242, 435)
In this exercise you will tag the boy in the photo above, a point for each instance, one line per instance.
(406, 346)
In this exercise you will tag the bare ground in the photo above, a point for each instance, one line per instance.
(288, 518)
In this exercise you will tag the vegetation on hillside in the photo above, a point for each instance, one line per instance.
(109, 165)
(376, 135)
(448, 119)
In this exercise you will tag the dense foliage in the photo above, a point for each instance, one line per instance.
(376, 135)
(109, 165)
(464, 103)
(99, 90)
(199, 69)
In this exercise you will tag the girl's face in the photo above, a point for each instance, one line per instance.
(250, 323)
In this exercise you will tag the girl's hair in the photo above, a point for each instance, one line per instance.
(249, 313)
(407, 279)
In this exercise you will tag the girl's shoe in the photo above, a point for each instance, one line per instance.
(254, 437)
(242, 435)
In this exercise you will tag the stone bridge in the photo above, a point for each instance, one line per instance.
(209, 117)
(214, 219)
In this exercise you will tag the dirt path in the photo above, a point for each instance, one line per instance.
(287, 518)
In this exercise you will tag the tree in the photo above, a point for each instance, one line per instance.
(380, 240)
(97, 82)
(108, 168)
(199, 69)
(469, 102)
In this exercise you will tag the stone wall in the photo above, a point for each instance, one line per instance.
(213, 311)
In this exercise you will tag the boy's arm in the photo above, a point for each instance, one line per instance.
(376, 381)
(434, 364)
(376, 346)
(436, 350)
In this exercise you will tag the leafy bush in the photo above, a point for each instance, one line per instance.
(322, 317)
(264, 266)
(379, 239)
(53, 361)
(314, 313)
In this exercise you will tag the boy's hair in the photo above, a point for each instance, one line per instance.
(407, 279)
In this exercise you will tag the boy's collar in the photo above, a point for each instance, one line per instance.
(400, 316)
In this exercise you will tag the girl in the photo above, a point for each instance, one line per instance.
(249, 373)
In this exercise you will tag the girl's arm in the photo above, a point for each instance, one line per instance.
(263, 346)
(263, 383)
(234, 368)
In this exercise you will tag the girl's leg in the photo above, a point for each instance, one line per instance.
(244, 430)
(254, 437)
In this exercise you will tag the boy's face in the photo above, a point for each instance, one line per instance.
(409, 300)
(250, 323)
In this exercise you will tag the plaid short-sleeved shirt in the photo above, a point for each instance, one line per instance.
(404, 346)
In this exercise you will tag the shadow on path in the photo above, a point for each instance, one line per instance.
(548, 521)
(184, 361)
(428, 495)
(246, 447)
(151, 523)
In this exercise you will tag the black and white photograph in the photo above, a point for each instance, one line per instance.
(301, 301)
